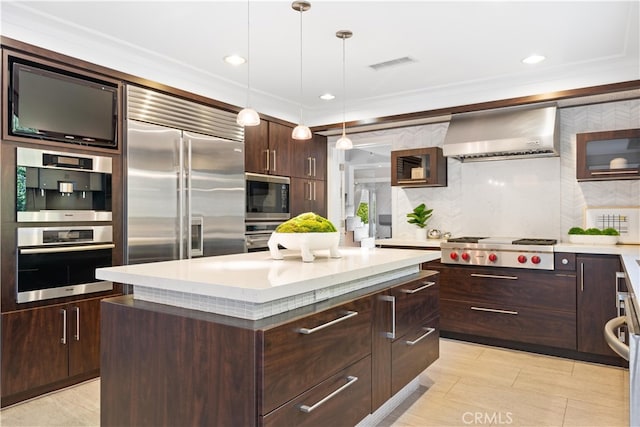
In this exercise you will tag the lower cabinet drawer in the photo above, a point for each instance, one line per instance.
(413, 353)
(342, 400)
(523, 324)
(304, 352)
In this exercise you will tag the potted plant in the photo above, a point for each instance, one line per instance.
(420, 216)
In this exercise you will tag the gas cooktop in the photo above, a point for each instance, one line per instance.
(514, 252)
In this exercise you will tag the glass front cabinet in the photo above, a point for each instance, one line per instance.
(608, 155)
(419, 167)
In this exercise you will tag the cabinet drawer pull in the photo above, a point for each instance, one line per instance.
(77, 335)
(268, 160)
(632, 172)
(392, 300)
(423, 336)
(495, 310)
(413, 291)
(494, 276)
(347, 315)
(350, 380)
(274, 160)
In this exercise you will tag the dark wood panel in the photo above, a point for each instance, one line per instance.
(308, 195)
(256, 144)
(409, 360)
(280, 143)
(346, 408)
(517, 323)
(541, 289)
(413, 308)
(596, 300)
(381, 352)
(33, 354)
(293, 361)
(84, 336)
(163, 369)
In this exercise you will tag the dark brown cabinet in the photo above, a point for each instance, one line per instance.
(405, 335)
(308, 195)
(47, 345)
(609, 155)
(533, 307)
(309, 158)
(420, 167)
(596, 296)
(267, 148)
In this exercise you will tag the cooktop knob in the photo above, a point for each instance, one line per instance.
(522, 259)
(465, 256)
(535, 259)
(493, 257)
(453, 256)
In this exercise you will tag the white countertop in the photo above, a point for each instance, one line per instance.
(256, 278)
(414, 243)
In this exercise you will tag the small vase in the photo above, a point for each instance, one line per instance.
(421, 234)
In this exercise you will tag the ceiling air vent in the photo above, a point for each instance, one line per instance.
(392, 63)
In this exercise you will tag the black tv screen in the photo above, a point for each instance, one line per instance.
(56, 106)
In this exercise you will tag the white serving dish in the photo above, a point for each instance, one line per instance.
(586, 239)
(306, 243)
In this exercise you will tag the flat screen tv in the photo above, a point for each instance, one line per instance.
(50, 104)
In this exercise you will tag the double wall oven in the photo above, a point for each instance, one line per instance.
(64, 216)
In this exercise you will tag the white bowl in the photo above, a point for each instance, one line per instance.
(587, 239)
(306, 243)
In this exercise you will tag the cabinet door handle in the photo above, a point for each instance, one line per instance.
(310, 194)
(413, 291)
(77, 335)
(494, 276)
(421, 337)
(274, 160)
(268, 160)
(495, 310)
(63, 340)
(347, 314)
(350, 380)
(392, 300)
(581, 276)
(314, 191)
(314, 166)
(310, 169)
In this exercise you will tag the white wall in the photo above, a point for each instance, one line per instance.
(519, 197)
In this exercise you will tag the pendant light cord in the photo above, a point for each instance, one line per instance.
(248, 54)
(344, 87)
(301, 10)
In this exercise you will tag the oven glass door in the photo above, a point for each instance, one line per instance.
(267, 200)
(60, 271)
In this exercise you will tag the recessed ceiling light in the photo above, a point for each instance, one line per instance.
(533, 59)
(327, 97)
(234, 60)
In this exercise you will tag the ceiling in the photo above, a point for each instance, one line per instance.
(462, 52)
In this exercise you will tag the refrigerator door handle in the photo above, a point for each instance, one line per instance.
(181, 197)
(187, 214)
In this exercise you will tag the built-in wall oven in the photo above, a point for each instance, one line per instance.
(54, 262)
(54, 186)
(257, 234)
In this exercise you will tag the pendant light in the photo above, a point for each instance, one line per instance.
(344, 143)
(248, 116)
(301, 132)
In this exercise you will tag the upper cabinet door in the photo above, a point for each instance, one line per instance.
(309, 159)
(280, 145)
(256, 148)
(608, 155)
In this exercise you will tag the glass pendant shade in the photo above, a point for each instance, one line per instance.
(248, 117)
(301, 132)
(344, 143)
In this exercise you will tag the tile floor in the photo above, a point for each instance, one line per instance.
(469, 385)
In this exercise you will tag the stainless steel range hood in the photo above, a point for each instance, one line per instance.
(509, 133)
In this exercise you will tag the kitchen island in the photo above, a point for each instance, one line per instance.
(247, 340)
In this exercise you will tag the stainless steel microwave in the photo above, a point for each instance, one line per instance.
(267, 197)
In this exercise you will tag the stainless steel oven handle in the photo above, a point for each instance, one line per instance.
(612, 339)
(28, 251)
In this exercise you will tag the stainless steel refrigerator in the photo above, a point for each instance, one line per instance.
(185, 190)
